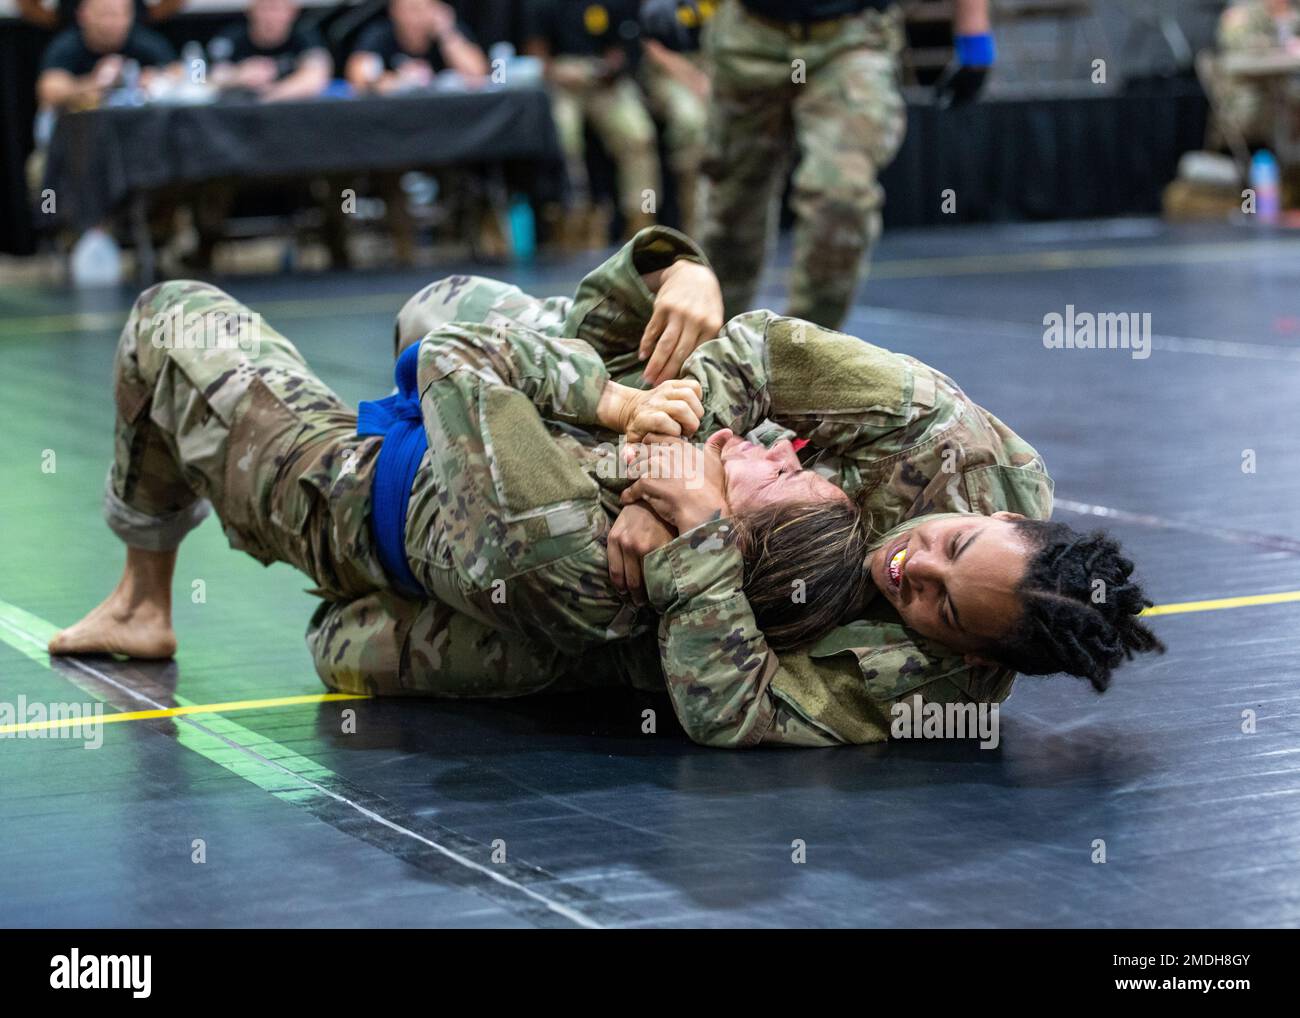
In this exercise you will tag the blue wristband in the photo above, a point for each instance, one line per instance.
(975, 50)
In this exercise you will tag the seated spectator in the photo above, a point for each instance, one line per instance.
(83, 63)
(585, 48)
(271, 55)
(63, 13)
(1258, 27)
(418, 39)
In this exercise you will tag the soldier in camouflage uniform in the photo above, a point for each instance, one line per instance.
(510, 509)
(216, 409)
(820, 78)
(676, 82)
(586, 47)
(830, 89)
(878, 420)
(1257, 27)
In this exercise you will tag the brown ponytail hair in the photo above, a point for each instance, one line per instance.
(806, 567)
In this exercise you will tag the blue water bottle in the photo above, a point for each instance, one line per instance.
(523, 230)
(1264, 180)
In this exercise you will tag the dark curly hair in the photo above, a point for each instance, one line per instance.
(1070, 622)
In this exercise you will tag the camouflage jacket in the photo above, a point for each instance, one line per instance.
(873, 419)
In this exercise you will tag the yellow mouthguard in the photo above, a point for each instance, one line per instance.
(899, 555)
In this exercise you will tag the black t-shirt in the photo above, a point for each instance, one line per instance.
(68, 51)
(380, 38)
(582, 28)
(234, 44)
(812, 10)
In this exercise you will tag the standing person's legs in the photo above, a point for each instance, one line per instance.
(850, 119)
(686, 120)
(217, 410)
(620, 117)
(566, 109)
(750, 142)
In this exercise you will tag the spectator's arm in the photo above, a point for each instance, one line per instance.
(677, 67)
(308, 79)
(462, 55)
(971, 17)
(57, 89)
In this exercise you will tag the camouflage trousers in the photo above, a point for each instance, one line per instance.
(829, 92)
(685, 117)
(619, 117)
(216, 409)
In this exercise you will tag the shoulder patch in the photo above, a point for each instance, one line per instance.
(864, 378)
(532, 470)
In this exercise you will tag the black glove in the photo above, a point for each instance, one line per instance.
(958, 86)
(961, 81)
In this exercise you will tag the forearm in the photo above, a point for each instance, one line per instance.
(462, 55)
(717, 665)
(57, 91)
(733, 375)
(310, 79)
(676, 66)
(970, 17)
(563, 378)
(612, 409)
(614, 302)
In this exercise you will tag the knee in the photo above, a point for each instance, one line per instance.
(837, 190)
(454, 298)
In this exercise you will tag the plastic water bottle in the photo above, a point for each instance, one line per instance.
(523, 230)
(1264, 181)
(96, 260)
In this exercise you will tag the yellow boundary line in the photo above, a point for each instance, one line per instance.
(172, 712)
(1175, 608)
(1249, 601)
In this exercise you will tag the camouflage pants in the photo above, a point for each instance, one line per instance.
(216, 408)
(685, 117)
(834, 97)
(622, 122)
(381, 644)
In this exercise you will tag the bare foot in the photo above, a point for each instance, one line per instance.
(135, 620)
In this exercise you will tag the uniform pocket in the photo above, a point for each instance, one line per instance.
(259, 516)
(1024, 490)
(547, 501)
(890, 662)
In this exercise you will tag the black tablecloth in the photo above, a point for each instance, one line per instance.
(99, 158)
(1037, 159)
